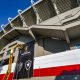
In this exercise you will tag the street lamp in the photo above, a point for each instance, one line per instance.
(3, 28)
(19, 12)
(9, 19)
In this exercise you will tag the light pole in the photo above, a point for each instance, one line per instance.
(3, 28)
(9, 19)
(19, 12)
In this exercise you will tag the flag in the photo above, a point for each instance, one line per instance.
(24, 67)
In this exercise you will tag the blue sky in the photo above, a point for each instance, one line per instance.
(8, 8)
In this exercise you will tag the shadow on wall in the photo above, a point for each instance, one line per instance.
(54, 45)
(69, 75)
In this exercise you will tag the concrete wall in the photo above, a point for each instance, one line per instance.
(20, 40)
(30, 17)
(17, 22)
(50, 46)
(39, 50)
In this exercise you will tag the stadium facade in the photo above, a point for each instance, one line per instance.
(48, 29)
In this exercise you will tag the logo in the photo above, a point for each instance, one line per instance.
(20, 65)
(26, 53)
(28, 64)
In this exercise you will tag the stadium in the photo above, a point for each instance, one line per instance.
(42, 42)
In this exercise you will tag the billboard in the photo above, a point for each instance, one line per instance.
(24, 67)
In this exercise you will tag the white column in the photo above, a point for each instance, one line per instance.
(57, 11)
(31, 33)
(66, 36)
